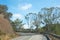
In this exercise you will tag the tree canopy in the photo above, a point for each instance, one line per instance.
(3, 10)
(17, 24)
(46, 16)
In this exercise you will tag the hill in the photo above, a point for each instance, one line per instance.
(5, 25)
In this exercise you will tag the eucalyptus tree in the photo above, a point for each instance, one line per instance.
(50, 16)
(34, 20)
(27, 18)
(17, 24)
(3, 10)
(8, 15)
(47, 16)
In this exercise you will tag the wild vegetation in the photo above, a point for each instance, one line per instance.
(6, 31)
(49, 17)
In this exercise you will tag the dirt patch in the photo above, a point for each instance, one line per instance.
(5, 26)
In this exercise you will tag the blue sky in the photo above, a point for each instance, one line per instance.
(20, 8)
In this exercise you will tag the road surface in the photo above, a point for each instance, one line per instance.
(31, 37)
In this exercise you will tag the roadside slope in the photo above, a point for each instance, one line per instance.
(5, 26)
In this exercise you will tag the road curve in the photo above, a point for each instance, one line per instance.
(33, 37)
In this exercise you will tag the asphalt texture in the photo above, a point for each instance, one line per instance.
(30, 36)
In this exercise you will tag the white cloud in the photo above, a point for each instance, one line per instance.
(25, 6)
(26, 26)
(17, 15)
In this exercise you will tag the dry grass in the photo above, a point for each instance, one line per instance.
(7, 37)
(4, 37)
(53, 38)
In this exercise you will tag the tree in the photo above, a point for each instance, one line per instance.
(3, 10)
(34, 20)
(17, 24)
(50, 16)
(8, 16)
(27, 18)
(46, 16)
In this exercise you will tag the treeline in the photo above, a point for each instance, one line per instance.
(49, 18)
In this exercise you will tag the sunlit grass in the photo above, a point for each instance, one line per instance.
(5, 36)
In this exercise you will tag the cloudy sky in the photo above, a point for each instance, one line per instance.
(20, 8)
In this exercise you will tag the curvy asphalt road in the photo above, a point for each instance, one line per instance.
(31, 37)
